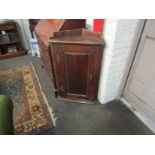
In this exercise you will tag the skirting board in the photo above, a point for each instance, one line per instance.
(146, 120)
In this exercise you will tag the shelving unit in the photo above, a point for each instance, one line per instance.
(10, 43)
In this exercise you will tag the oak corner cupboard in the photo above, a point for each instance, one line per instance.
(45, 29)
(76, 57)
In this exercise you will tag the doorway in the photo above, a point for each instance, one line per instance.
(140, 88)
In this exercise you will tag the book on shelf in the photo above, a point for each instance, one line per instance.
(4, 38)
(7, 37)
(12, 49)
(1, 38)
(13, 36)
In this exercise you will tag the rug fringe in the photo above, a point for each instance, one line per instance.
(45, 99)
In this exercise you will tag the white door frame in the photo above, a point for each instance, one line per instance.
(136, 40)
(128, 103)
(133, 63)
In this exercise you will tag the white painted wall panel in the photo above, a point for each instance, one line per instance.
(119, 36)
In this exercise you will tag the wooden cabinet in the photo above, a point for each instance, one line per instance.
(45, 29)
(71, 56)
(76, 56)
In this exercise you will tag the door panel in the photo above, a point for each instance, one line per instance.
(76, 72)
(58, 66)
(77, 69)
(140, 88)
(142, 83)
(72, 70)
(94, 69)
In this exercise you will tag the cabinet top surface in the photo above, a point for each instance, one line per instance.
(78, 36)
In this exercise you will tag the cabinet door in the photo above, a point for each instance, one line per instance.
(76, 68)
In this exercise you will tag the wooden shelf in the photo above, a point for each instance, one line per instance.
(9, 43)
(11, 55)
(8, 26)
(12, 34)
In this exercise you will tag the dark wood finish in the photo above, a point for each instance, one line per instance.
(78, 36)
(71, 56)
(44, 30)
(76, 56)
(46, 27)
(10, 27)
(9, 43)
(73, 24)
(74, 64)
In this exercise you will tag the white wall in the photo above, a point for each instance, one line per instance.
(89, 24)
(24, 31)
(119, 36)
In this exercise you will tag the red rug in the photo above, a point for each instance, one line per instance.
(32, 114)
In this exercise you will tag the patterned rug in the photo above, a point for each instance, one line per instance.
(32, 115)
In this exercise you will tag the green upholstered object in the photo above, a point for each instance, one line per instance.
(6, 115)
